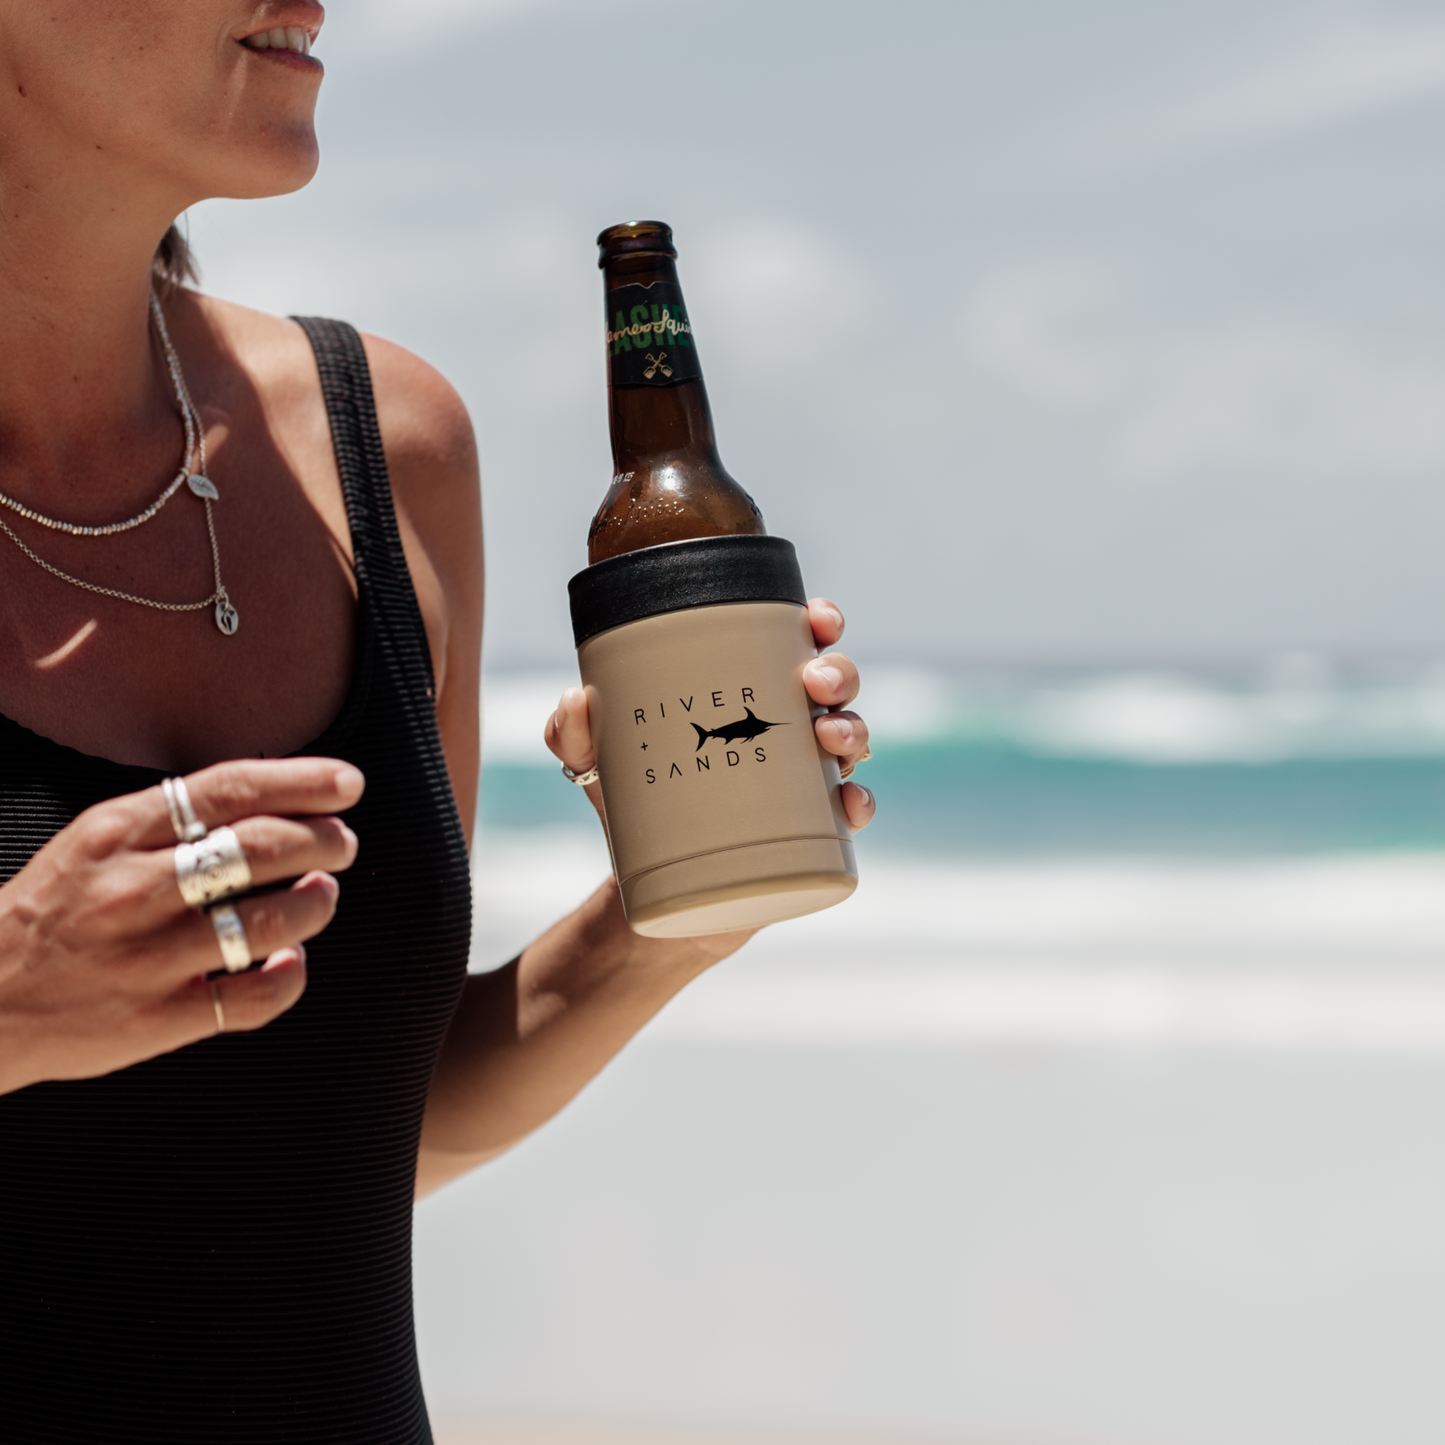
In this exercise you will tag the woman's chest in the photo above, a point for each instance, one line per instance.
(150, 679)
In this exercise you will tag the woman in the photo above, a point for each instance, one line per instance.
(233, 537)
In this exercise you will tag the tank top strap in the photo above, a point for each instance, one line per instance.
(383, 579)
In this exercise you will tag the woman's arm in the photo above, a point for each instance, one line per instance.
(527, 1037)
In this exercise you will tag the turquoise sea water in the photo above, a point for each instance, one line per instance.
(1132, 763)
(965, 799)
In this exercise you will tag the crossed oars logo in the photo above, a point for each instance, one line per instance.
(657, 363)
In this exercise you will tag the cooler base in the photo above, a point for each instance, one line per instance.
(740, 887)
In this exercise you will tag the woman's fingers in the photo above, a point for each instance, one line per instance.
(272, 921)
(274, 848)
(843, 733)
(827, 620)
(569, 735)
(831, 680)
(569, 732)
(250, 1000)
(228, 792)
(859, 805)
(278, 848)
(206, 1007)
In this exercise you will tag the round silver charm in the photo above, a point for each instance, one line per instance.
(203, 486)
(227, 618)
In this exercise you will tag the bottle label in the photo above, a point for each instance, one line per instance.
(649, 338)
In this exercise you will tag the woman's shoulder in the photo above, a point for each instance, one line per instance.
(426, 433)
(424, 424)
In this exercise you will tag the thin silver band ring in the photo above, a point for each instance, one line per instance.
(187, 827)
(220, 1012)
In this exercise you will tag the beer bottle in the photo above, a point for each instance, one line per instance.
(668, 482)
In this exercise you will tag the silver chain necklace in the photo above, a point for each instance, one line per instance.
(227, 619)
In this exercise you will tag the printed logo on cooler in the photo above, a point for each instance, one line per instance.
(746, 729)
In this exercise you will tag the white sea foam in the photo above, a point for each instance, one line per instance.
(1342, 955)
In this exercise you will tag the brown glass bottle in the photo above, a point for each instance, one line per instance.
(668, 482)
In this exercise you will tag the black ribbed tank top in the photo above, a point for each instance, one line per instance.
(215, 1245)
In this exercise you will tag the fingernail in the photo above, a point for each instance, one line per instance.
(330, 884)
(829, 676)
(845, 729)
(292, 954)
(835, 615)
(349, 779)
(868, 793)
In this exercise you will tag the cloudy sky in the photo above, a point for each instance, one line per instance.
(1046, 331)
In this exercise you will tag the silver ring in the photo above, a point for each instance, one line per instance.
(220, 1012)
(188, 828)
(231, 935)
(865, 756)
(581, 779)
(212, 868)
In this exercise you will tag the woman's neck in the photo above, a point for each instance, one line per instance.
(81, 387)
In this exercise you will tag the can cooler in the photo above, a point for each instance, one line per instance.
(722, 810)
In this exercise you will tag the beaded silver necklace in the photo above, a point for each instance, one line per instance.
(227, 619)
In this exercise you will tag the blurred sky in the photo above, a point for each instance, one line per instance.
(1045, 330)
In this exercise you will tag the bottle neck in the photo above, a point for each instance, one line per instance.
(657, 401)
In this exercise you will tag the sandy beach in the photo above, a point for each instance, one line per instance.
(456, 1432)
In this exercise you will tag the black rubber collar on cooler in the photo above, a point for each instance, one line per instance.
(675, 575)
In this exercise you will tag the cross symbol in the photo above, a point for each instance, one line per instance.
(644, 747)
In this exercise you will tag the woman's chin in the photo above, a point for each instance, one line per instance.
(279, 173)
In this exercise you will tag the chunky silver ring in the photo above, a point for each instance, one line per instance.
(212, 868)
(231, 935)
(581, 779)
(865, 756)
(188, 828)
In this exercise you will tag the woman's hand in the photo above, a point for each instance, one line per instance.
(831, 681)
(102, 964)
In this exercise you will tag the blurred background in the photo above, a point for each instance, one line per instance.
(1092, 356)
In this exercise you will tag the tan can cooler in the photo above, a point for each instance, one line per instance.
(722, 810)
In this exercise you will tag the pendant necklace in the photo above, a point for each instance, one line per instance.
(227, 619)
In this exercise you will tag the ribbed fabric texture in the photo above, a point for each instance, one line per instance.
(216, 1245)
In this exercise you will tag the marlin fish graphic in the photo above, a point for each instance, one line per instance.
(744, 730)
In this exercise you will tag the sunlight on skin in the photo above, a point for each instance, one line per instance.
(54, 659)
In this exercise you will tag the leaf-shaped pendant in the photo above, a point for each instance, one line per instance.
(203, 487)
